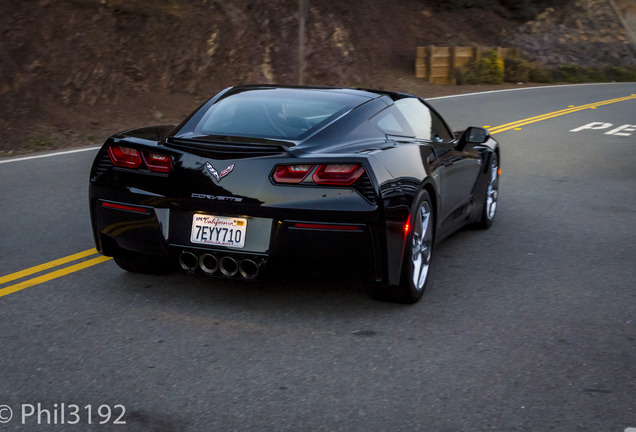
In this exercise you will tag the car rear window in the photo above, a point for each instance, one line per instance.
(274, 113)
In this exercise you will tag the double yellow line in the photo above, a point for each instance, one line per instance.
(571, 109)
(82, 264)
(84, 260)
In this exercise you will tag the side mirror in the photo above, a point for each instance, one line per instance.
(476, 135)
(473, 135)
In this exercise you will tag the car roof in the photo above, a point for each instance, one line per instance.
(367, 93)
(289, 114)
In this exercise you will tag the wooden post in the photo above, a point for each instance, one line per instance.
(453, 61)
(303, 5)
(439, 64)
(420, 62)
(431, 54)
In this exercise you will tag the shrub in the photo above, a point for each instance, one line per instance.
(468, 74)
(488, 70)
(520, 70)
(615, 73)
(491, 67)
(574, 74)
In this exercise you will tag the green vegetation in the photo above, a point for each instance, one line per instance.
(519, 70)
(492, 70)
(38, 142)
(488, 70)
(580, 74)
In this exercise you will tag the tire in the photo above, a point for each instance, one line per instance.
(417, 256)
(489, 206)
(146, 264)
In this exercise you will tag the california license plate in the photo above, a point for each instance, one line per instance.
(218, 230)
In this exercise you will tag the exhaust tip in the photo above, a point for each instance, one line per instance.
(249, 268)
(188, 261)
(208, 263)
(228, 266)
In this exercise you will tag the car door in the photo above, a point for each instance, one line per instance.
(458, 170)
(457, 167)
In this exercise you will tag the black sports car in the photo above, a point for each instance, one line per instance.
(262, 175)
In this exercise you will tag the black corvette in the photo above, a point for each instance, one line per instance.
(260, 176)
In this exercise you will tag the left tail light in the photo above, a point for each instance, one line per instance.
(126, 157)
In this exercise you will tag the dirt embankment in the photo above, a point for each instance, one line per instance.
(73, 72)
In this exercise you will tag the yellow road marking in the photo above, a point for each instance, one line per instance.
(571, 109)
(89, 263)
(52, 275)
(46, 266)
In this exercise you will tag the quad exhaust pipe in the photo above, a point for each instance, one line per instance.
(208, 263)
(250, 269)
(228, 266)
(188, 261)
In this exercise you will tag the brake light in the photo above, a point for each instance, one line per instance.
(124, 157)
(338, 174)
(158, 162)
(127, 157)
(292, 173)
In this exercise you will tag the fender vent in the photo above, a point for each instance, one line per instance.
(364, 186)
(103, 165)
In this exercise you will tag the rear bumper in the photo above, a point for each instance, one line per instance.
(324, 238)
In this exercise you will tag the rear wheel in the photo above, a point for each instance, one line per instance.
(417, 256)
(146, 264)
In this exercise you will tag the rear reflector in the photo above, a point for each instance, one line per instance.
(407, 225)
(332, 227)
(125, 207)
(124, 157)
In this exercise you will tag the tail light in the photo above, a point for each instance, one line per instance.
(338, 174)
(292, 173)
(325, 174)
(126, 157)
(158, 162)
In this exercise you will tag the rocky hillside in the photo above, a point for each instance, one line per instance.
(74, 71)
(585, 33)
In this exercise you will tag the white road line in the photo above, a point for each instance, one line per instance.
(519, 89)
(40, 156)
(65, 152)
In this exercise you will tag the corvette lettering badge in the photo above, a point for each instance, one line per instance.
(216, 174)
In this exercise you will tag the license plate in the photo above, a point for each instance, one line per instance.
(218, 230)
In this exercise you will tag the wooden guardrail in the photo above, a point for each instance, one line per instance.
(438, 64)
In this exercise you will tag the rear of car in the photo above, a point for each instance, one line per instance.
(252, 177)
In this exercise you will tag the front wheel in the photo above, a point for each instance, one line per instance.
(417, 256)
(489, 207)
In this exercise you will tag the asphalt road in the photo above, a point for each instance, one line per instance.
(529, 326)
